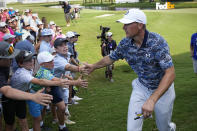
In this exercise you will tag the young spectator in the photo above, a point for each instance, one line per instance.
(45, 59)
(61, 61)
(70, 36)
(21, 80)
(27, 45)
(46, 39)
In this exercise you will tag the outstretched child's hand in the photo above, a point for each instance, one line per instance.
(82, 83)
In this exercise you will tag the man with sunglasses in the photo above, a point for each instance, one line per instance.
(3, 30)
(148, 54)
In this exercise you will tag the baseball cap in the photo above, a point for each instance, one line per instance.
(7, 51)
(35, 15)
(76, 34)
(69, 34)
(59, 42)
(133, 15)
(7, 36)
(51, 23)
(44, 57)
(2, 24)
(109, 33)
(24, 56)
(11, 8)
(46, 32)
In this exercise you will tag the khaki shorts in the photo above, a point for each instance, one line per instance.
(67, 16)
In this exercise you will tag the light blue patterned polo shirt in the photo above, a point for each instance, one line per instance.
(149, 61)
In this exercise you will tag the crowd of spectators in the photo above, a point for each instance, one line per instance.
(47, 60)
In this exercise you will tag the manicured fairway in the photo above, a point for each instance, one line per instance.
(105, 104)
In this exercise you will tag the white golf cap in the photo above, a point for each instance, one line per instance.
(10, 8)
(46, 32)
(2, 24)
(44, 57)
(70, 34)
(51, 23)
(7, 36)
(133, 15)
(17, 10)
(109, 34)
(35, 15)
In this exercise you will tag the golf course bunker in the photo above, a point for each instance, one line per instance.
(105, 15)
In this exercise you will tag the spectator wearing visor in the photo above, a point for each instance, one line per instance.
(46, 40)
(9, 38)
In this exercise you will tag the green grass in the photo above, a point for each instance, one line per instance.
(105, 104)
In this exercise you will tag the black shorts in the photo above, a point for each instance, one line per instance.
(55, 92)
(11, 108)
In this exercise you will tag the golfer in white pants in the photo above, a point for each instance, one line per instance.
(148, 54)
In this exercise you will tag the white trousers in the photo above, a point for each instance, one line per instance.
(163, 107)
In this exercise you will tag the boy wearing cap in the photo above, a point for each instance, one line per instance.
(70, 36)
(27, 45)
(45, 59)
(21, 80)
(147, 53)
(46, 39)
(61, 61)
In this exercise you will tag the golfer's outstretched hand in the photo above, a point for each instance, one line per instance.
(89, 67)
(148, 108)
(41, 98)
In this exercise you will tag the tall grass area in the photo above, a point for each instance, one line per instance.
(105, 104)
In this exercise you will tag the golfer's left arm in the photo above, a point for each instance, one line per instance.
(164, 84)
